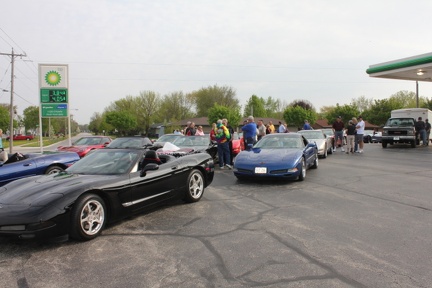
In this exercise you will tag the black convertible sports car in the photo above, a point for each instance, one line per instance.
(102, 187)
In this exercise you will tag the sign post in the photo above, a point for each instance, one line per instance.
(54, 94)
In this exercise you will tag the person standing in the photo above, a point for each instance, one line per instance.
(231, 131)
(261, 129)
(271, 127)
(249, 133)
(420, 129)
(3, 155)
(281, 128)
(354, 120)
(199, 131)
(307, 126)
(222, 138)
(338, 128)
(360, 131)
(213, 132)
(350, 131)
(190, 130)
(428, 130)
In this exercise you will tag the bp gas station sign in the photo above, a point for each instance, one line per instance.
(54, 96)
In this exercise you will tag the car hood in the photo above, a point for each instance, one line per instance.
(319, 142)
(76, 148)
(264, 156)
(43, 190)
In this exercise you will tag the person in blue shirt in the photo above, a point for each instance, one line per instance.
(249, 133)
(307, 126)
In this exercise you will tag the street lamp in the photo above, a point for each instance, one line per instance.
(69, 128)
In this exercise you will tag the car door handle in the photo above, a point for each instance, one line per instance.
(173, 167)
(28, 164)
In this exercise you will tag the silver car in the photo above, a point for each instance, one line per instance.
(323, 143)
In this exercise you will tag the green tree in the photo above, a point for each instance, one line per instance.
(427, 103)
(405, 99)
(273, 107)
(31, 117)
(345, 111)
(255, 107)
(205, 98)
(122, 121)
(305, 104)
(148, 104)
(4, 118)
(380, 111)
(95, 122)
(362, 103)
(295, 116)
(176, 106)
(219, 112)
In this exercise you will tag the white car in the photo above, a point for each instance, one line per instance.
(323, 143)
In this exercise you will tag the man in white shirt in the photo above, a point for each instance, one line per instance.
(282, 128)
(360, 131)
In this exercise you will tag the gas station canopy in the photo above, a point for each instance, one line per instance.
(416, 68)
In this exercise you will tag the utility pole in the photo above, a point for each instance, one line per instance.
(11, 131)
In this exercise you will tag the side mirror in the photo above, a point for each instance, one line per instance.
(148, 167)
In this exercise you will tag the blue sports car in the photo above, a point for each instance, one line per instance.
(280, 155)
(24, 165)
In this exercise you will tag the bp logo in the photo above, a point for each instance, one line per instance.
(52, 78)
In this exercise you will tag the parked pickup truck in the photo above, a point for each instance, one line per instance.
(21, 137)
(399, 130)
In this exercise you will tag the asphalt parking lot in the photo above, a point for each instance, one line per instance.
(361, 220)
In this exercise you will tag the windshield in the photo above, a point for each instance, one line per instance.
(328, 132)
(312, 134)
(106, 162)
(89, 141)
(400, 122)
(279, 142)
(129, 143)
(191, 141)
(168, 137)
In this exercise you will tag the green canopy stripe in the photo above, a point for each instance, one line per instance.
(399, 65)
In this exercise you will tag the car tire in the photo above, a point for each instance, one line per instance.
(302, 175)
(331, 150)
(315, 164)
(384, 144)
(325, 153)
(194, 186)
(54, 170)
(88, 217)
(413, 144)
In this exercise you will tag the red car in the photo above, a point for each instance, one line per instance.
(237, 143)
(21, 137)
(86, 144)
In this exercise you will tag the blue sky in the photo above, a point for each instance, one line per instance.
(312, 50)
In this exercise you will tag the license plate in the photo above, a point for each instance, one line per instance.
(395, 138)
(260, 170)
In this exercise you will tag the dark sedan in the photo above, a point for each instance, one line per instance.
(104, 186)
